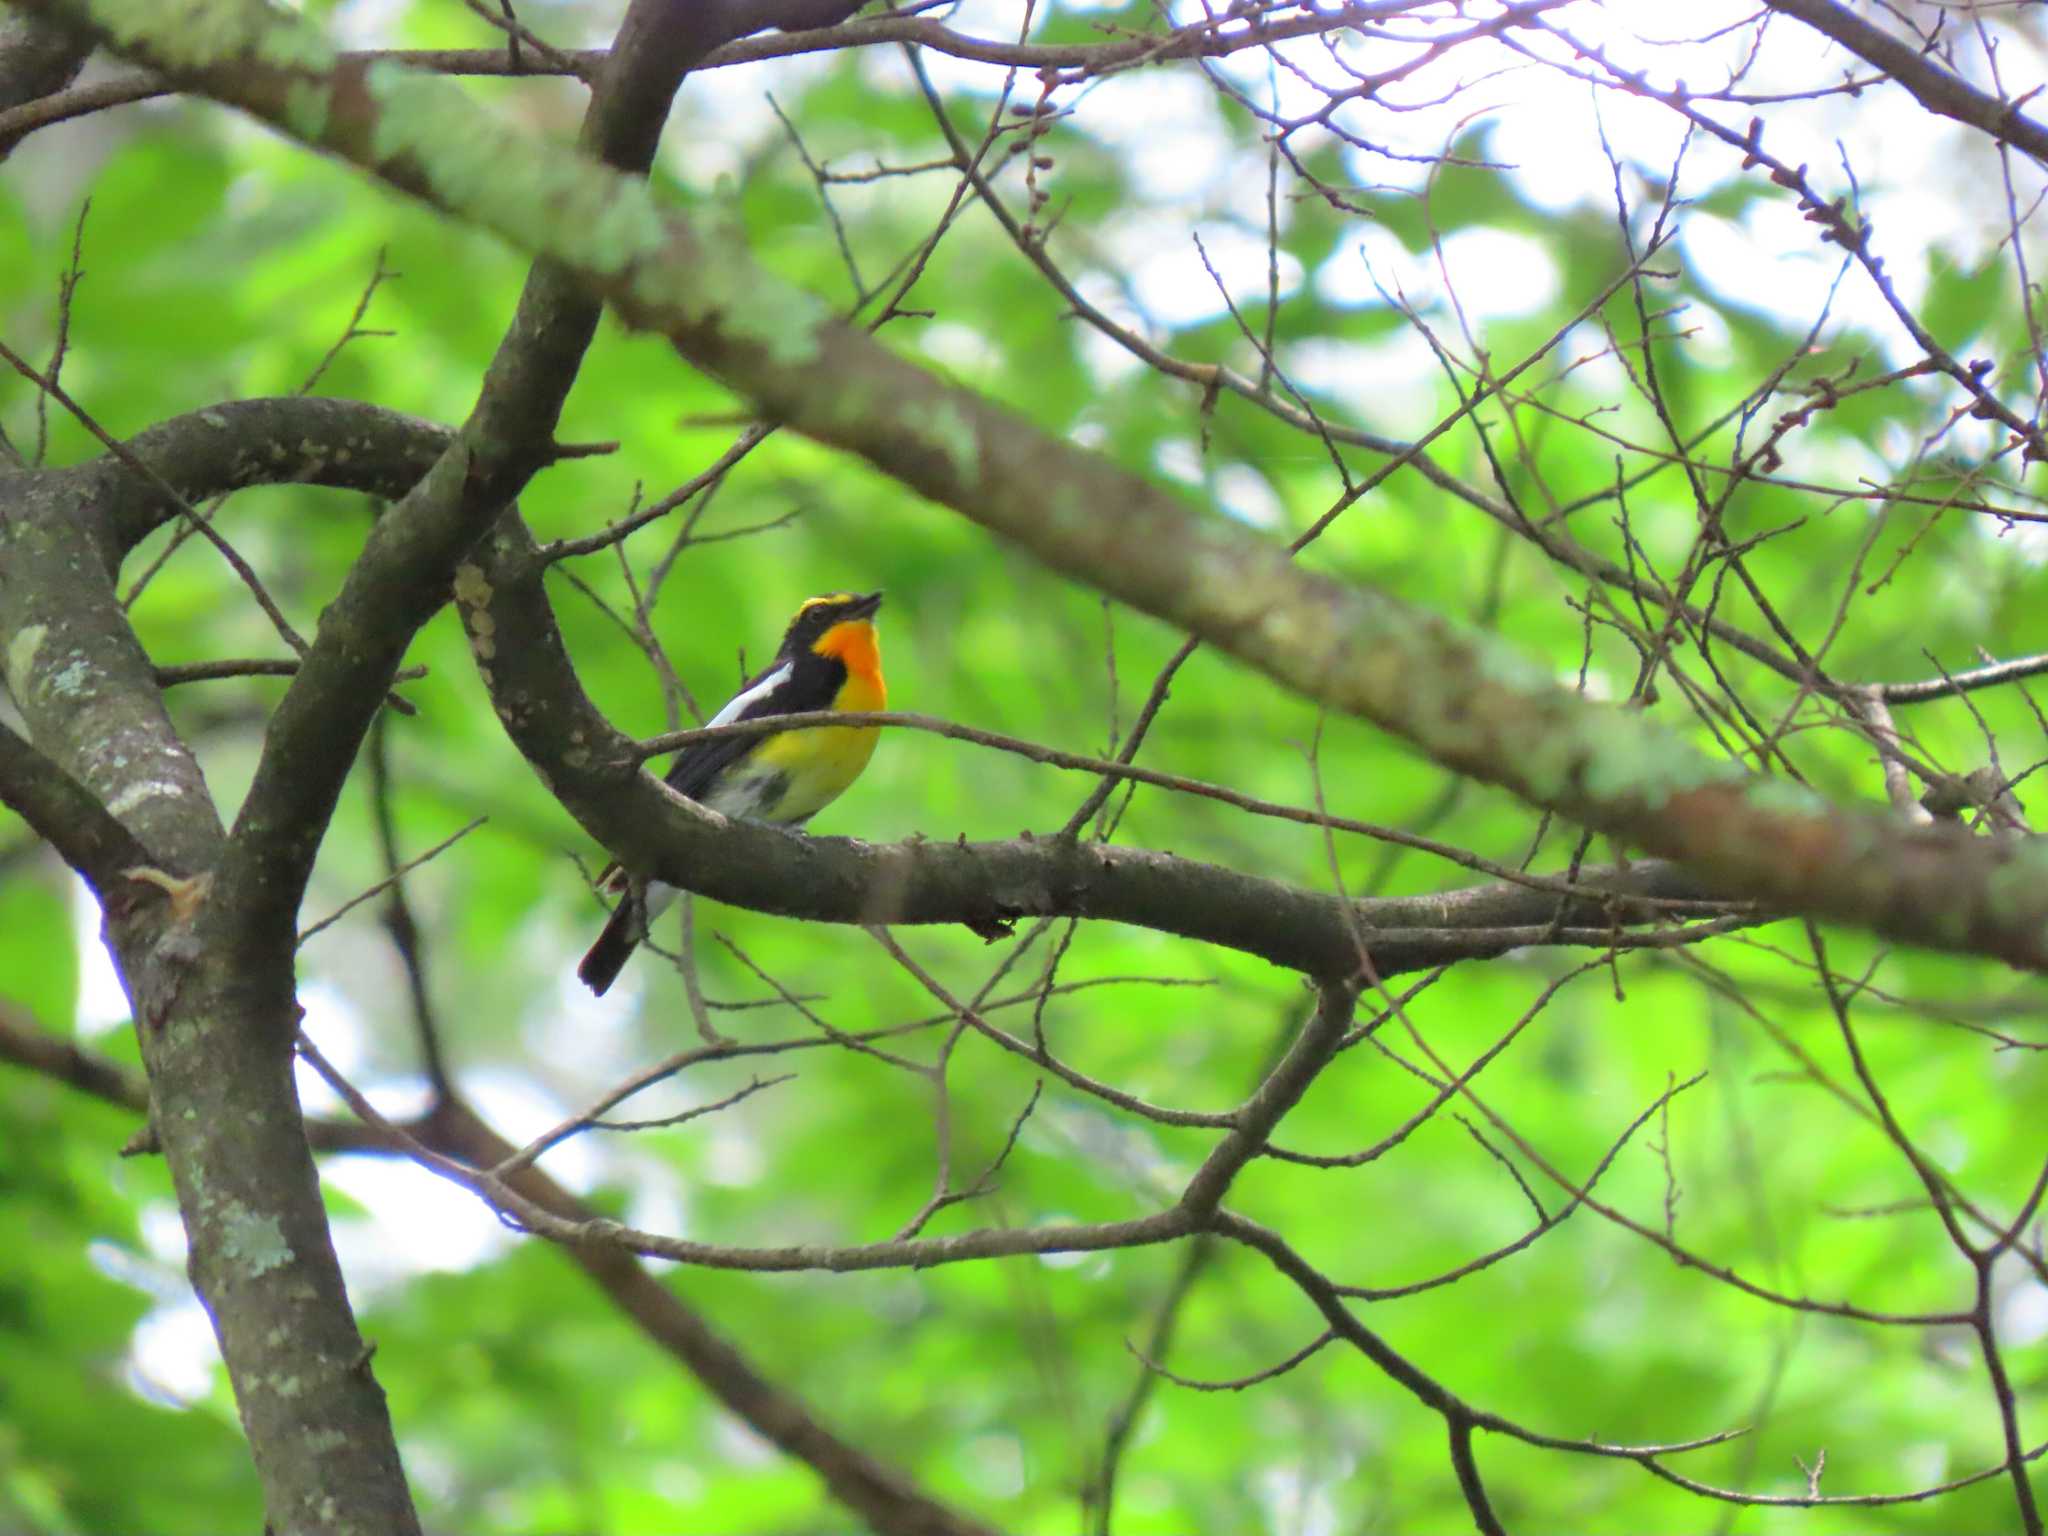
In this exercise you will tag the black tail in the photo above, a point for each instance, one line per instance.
(614, 947)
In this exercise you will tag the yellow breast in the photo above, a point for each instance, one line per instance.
(808, 770)
(793, 775)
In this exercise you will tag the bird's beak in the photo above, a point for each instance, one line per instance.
(864, 608)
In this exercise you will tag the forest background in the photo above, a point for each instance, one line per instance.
(1473, 570)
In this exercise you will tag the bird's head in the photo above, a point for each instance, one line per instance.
(839, 624)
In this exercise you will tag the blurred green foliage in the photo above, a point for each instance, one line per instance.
(219, 262)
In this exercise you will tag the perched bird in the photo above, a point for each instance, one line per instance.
(829, 659)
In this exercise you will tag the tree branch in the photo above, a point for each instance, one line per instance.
(1468, 700)
(37, 57)
(1204, 40)
(67, 816)
(213, 987)
(402, 575)
(28, 1045)
(295, 440)
(1932, 86)
(362, 447)
(212, 1031)
(594, 771)
(876, 1492)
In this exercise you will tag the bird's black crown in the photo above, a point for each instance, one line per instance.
(821, 613)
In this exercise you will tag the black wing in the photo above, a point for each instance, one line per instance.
(792, 686)
(696, 768)
(785, 688)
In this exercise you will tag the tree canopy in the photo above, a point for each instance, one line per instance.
(1446, 933)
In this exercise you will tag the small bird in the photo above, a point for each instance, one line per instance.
(830, 659)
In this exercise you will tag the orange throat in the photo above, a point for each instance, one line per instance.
(856, 644)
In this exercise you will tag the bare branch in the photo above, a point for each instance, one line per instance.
(1932, 86)
(1364, 653)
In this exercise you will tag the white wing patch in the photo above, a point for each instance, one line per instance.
(739, 701)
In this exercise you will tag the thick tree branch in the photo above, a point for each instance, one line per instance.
(214, 1033)
(37, 57)
(1206, 40)
(295, 440)
(361, 447)
(214, 999)
(213, 988)
(402, 576)
(67, 815)
(595, 772)
(1469, 704)
(40, 111)
(86, 691)
(877, 1493)
(1468, 700)
(1932, 86)
(28, 1045)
